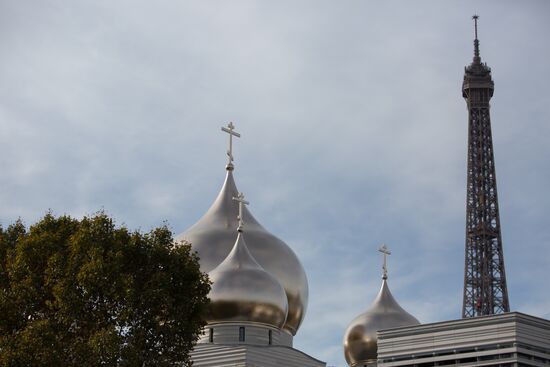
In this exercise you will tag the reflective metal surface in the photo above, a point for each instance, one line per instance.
(243, 291)
(360, 340)
(213, 237)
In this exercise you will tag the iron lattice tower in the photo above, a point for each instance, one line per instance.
(485, 291)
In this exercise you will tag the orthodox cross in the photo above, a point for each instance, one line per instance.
(242, 201)
(229, 129)
(384, 249)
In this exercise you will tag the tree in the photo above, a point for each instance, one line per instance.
(88, 293)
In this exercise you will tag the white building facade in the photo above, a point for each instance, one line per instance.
(509, 339)
(251, 345)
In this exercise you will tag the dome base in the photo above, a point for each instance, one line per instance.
(244, 333)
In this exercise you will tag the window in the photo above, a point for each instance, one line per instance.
(270, 337)
(241, 333)
(446, 362)
(211, 336)
(488, 357)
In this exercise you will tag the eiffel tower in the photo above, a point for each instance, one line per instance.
(485, 291)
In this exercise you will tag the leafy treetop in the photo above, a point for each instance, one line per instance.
(87, 293)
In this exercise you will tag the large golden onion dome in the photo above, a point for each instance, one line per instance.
(360, 339)
(243, 291)
(213, 237)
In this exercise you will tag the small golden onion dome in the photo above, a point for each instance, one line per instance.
(360, 339)
(243, 291)
(213, 236)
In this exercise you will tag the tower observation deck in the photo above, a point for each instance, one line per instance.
(485, 291)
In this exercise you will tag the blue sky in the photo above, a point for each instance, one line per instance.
(353, 133)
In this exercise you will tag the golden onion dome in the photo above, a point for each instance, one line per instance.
(360, 339)
(243, 291)
(213, 236)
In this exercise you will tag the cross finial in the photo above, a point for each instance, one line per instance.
(384, 250)
(230, 130)
(240, 199)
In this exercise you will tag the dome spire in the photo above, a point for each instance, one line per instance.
(230, 130)
(213, 238)
(361, 338)
(242, 290)
(240, 199)
(477, 58)
(385, 251)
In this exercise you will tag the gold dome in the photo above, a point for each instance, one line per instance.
(360, 339)
(213, 237)
(243, 291)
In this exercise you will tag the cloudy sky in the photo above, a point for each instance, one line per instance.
(353, 133)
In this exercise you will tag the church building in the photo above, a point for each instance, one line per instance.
(259, 291)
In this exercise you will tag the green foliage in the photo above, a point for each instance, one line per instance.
(86, 293)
